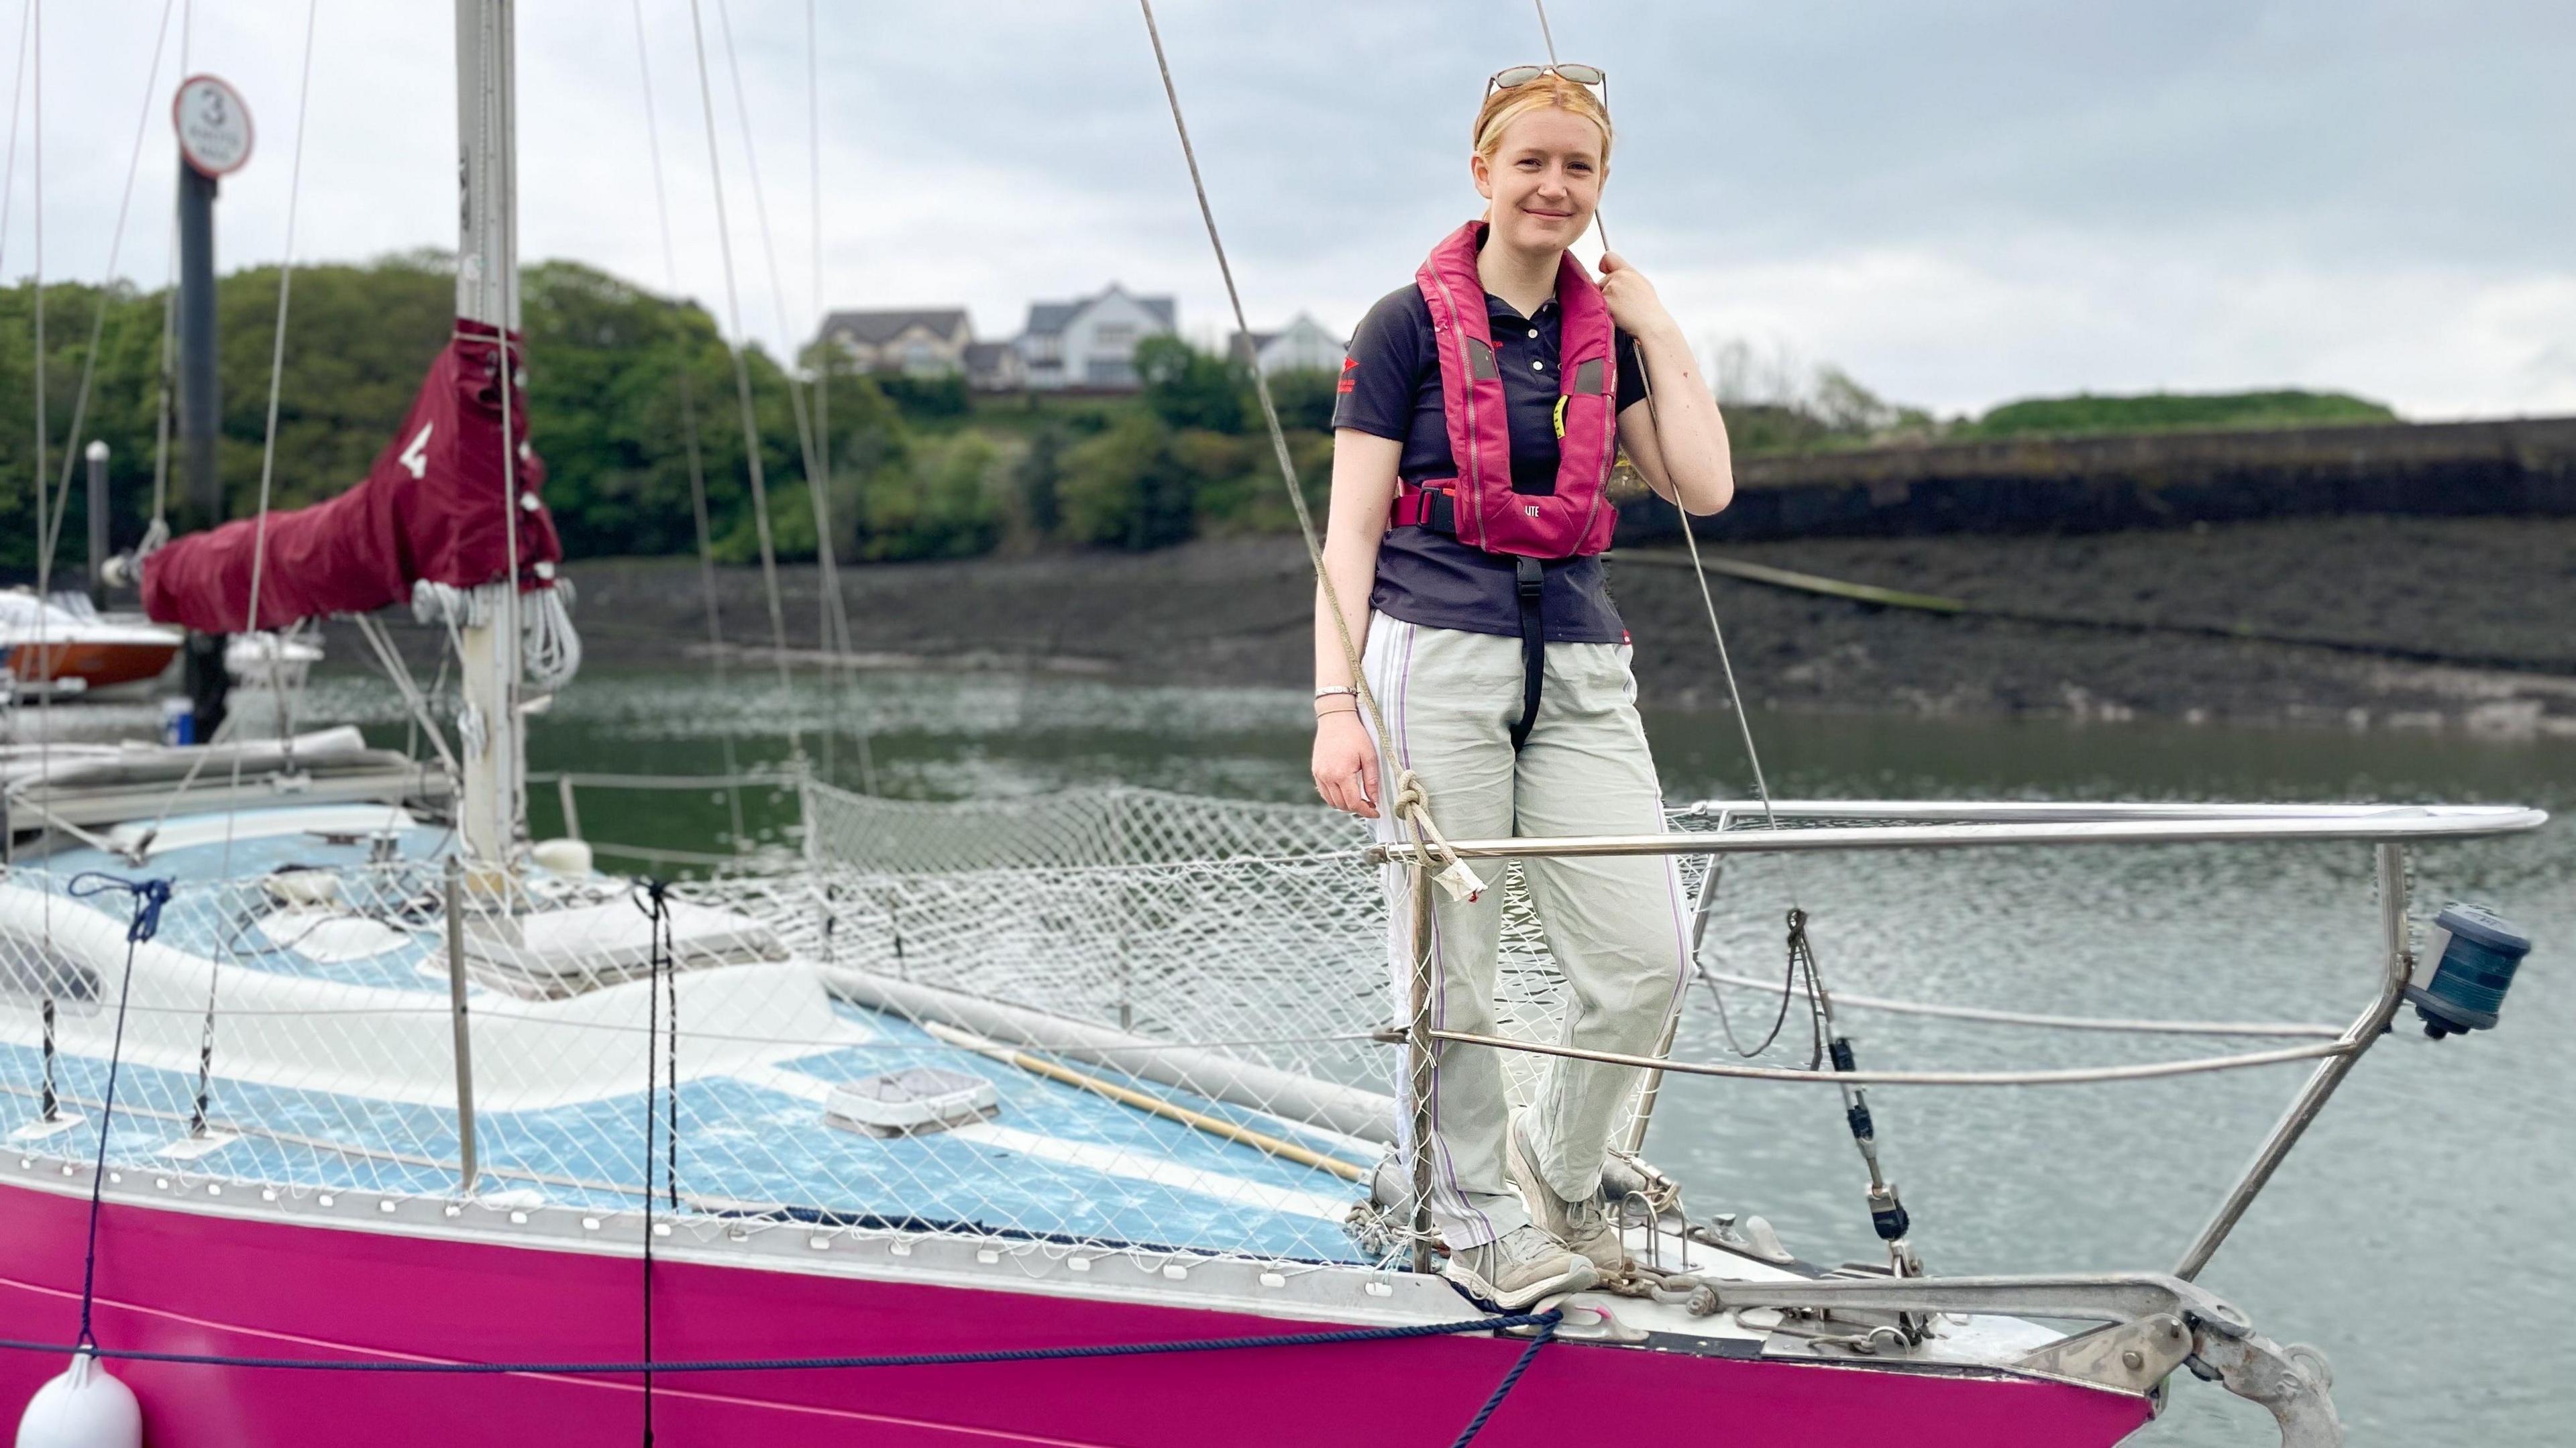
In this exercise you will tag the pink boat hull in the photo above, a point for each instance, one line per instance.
(180, 1282)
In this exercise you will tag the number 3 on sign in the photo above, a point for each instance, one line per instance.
(415, 456)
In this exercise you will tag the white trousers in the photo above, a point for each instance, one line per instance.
(1616, 925)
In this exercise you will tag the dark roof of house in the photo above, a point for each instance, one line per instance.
(1048, 318)
(875, 328)
(986, 356)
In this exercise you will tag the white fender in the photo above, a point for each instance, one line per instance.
(86, 1407)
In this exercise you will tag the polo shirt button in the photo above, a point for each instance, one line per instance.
(1537, 366)
(1533, 331)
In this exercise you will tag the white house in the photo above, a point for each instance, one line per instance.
(924, 343)
(1303, 345)
(1091, 342)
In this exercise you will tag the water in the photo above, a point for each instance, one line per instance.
(2415, 1235)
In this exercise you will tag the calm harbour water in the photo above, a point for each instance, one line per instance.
(2416, 1235)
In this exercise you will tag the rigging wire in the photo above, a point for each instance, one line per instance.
(1261, 389)
(259, 533)
(17, 105)
(1408, 802)
(1717, 631)
(1887, 1215)
(107, 283)
(689, 427)
(851, 719)
(390, 660)
(832, 623)
(157, 531)
(742, 388)
(44, 580)
(36, 159)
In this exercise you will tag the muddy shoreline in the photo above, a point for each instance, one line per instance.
(2155, 621)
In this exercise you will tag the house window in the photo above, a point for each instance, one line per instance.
(1109, 372)
(1114, 337)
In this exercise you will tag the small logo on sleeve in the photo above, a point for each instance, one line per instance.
(1349, 365)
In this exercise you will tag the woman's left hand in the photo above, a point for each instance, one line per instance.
(1632, 300)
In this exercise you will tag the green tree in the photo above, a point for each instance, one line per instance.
(1305, 398)
(1124, 489)
(941, 505)
(1251, 500)
(1039, 479)
(941, 396)
(1186, 387)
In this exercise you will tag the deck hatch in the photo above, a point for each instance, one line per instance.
(911, 1102)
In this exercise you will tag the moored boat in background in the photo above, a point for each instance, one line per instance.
(64, 647)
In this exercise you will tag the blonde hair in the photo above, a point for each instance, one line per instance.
(1505, 106)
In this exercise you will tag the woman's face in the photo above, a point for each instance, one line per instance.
(1544, 179)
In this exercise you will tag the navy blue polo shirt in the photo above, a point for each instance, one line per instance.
(1391, 389)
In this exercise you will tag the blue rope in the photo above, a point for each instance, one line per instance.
(656, 905)
(1511, 1380)
(149, 896)
(1546, 1321)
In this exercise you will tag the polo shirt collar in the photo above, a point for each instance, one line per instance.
(1497, 307)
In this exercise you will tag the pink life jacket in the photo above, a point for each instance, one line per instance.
(1572, 522)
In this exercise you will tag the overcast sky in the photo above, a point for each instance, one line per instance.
(1958, 202)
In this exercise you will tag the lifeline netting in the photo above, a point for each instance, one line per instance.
(1225, 960)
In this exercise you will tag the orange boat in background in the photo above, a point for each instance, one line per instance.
(64, 645)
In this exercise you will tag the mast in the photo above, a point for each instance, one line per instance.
(487, 291)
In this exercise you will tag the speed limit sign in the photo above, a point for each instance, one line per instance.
(214, 125)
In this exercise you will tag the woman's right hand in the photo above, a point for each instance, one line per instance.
(1346, 764)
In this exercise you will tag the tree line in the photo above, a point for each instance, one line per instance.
(622, 381)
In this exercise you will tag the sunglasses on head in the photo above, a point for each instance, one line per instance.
(1520, 75)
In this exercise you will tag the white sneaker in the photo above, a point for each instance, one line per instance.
(1584, 1227)
(1518, 1268)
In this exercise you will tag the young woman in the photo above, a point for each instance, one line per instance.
(1481, 409)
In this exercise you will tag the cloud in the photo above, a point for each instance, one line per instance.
(1958, 204)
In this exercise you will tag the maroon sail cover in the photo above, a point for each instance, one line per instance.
(432, 507)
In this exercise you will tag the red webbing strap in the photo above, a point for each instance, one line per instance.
(1430, 507)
